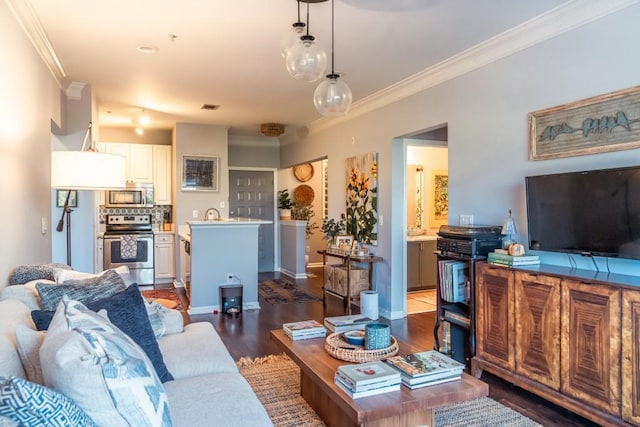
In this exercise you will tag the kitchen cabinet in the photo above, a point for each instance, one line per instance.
(421, 265)
(139, 159)
(571, 336)
(164, 255)
(162, 176)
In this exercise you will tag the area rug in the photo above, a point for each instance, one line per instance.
(276, 381)
(278, 291)
(164, 297)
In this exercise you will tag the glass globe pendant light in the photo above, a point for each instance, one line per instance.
(306, 61)
(333, 96)
(292, 37)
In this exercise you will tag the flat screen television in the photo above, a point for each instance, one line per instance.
(592, 213)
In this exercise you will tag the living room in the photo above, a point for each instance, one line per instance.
(484, 98)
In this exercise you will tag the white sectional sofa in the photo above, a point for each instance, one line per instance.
(207, 389)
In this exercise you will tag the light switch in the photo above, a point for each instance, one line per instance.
(380, 220)
(43, 225)
(194, 214)
(223, 204)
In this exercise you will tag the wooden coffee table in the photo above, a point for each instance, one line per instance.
(396, 408)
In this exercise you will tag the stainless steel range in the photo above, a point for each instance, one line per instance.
(128, 240)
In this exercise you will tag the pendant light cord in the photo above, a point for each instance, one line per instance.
(332, 36)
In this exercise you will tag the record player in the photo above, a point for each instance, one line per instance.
(469, 240)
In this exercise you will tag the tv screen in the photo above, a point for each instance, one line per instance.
(593, 213)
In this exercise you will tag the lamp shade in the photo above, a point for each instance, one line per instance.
(306, 61)
(87, 170)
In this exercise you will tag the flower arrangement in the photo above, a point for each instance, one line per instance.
(304, 212)
(362, 218)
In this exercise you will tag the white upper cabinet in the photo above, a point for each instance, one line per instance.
(139, 159)
(162, 174)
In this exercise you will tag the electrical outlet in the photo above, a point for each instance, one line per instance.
(194, 214)
(223, 204)
(466, 219)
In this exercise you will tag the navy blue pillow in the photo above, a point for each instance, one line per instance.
(127, 311)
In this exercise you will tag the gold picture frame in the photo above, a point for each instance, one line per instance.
(603, 123)
(344, 242)
(439, 205)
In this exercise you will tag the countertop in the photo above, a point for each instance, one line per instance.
(228, 222)
(421, 238)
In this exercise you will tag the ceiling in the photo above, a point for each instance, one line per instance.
(227, 53)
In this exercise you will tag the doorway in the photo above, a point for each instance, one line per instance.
(426, 162)
(251, 195)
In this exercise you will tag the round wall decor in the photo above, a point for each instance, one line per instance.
(303, 172)
(303, 194)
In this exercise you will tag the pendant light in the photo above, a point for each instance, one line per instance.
(333, 96)
(292, 36)
(306, 61)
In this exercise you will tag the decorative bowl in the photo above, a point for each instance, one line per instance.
(354, 337)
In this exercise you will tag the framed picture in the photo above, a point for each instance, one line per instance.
(200, 173)
(344, 242)
(439, 207)
(61, 196)
(609, 122)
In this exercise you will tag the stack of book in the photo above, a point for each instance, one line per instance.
(304, 330)
(367, 379)
(511, 260)
(346, 323)
(426, 368)
(454, 280)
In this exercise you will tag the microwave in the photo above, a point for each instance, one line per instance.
(134, 195)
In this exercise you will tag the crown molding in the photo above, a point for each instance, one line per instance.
(564, 18)
(28, 20)
(74, 90)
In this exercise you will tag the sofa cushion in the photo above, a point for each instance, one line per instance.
(62, 275)
(26, 273)
(28, 343)
(198, 350)
(108, 375)
(26, 293)
(12, 314)
(83, 290)
(164, 321)
(230, 402)
(31, 404)
(127, 311)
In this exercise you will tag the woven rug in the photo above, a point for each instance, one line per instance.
(278, 291)
(276, 381)
(163, 296)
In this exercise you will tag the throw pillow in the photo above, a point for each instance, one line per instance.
(27, 273)
(109, 376)
(62, 275)
(83, 290)
(28, 343)
(30, 404)
(127, 311)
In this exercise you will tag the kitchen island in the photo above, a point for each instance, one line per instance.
(223, 252)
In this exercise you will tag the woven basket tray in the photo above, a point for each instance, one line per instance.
(337, 347)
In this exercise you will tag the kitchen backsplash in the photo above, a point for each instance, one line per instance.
(157, 213)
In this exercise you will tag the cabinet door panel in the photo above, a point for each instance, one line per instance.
(413, 266)
(538, 328)
(495, 315)
(591, 344)
(631, 356)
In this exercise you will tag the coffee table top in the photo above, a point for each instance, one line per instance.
(320, 367)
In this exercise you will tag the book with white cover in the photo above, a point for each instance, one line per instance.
(346, 323)
(358, 394)
(303, 326)
(360, 387)
(430, 383)
(369, 372)
(425, 363)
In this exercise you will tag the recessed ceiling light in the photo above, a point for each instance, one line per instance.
(139, 131)
(147, 49)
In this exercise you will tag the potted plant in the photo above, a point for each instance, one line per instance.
(284, 204)
(303, 212)
(332, 228)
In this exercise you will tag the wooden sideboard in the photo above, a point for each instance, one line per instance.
(571, 336)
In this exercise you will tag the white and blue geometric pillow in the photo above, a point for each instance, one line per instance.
(30, 404)
(103, 370)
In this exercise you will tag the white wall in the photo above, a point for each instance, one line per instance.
(486, 112)
(30, 100)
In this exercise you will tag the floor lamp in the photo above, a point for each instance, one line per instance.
(84, 170)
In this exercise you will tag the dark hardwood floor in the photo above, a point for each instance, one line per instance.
(247, 335)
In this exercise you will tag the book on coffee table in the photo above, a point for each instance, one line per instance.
(425, 364)
(346, 323)
(370, 392)
(427, 381)
(305, 329)
(368, 375)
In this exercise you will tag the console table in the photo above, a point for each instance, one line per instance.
(347, 260)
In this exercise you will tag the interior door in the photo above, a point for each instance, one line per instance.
(251, 195)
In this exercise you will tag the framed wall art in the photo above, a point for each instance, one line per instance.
(362, 197)
(439, 206)
(200, 173)
(61, 196)
(609, 122)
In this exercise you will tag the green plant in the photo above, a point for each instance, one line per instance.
(284, 201)
(304, 212)
(332, 228)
